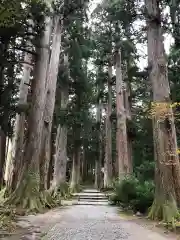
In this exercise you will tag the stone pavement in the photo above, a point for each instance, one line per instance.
(90, 222)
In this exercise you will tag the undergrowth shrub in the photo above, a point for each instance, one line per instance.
(145, 171)
(133, 194)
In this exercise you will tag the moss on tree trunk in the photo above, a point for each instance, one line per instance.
(27, 194)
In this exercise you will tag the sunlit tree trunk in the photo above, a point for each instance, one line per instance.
(167, 175)
(121, 134)
(27, 192)
(108, 143)
(50, 102)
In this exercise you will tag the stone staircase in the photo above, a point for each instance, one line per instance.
(91, 197)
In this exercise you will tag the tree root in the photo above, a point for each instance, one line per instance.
(49, 200)
(32, 203)
(166, 212)
(75, 188)
(62, 191)
(27, 196)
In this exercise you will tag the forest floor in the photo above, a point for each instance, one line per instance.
(80, 222)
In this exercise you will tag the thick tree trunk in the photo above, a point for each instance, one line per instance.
(108, 144)
(130, 160)
(8, 162)
(79, 167)
(61, 156)
(84, 165)
(97, 174)
(19, 130)
(98, 149)
(27, 192)
(167, 194)
(50, 102)
(51, 163)
(121, 134)
(7, 146)
(99, 183)
(60, 160)
(2, 156)
(127, 104)
(75, 177)
(3, 55)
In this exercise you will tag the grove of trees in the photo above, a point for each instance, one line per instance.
(77, 107)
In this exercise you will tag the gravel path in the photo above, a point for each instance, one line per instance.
(98, 223)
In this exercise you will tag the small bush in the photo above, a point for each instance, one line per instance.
(144, 196)
(131, 193)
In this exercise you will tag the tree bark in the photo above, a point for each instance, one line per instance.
(60, 161)
(51, 163)
(98, 173)
(3, 55)
(121, 134)
(108, 147)
(50, 103)
(2, 156)
(16, 161)
(98, 155)
(127, 104)
(75, 177)
(167, 175)
(27, 192)
(79, 166)
(84, 165)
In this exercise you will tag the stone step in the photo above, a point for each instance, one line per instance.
(89, 196)
(92, 200)
(91, 191)
(92, 203)
(89, 199)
